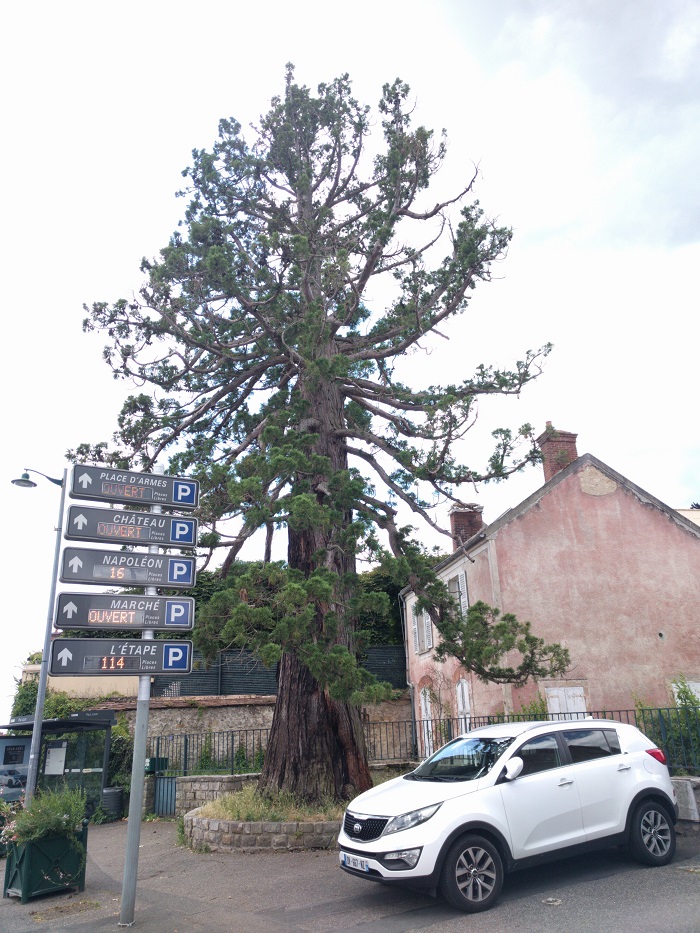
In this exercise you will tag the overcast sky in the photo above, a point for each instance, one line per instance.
(584, 118)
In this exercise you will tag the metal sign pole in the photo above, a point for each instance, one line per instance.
(35, 747)
(133, 836)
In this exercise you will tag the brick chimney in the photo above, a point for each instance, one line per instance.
(465, 522)
(558, 449)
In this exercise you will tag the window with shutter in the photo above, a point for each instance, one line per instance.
(414, 622)
(428, 631)
(463, 596)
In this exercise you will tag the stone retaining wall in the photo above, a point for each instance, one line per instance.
(212, 835)
(218, 835)
(688, 797)
(194, 791)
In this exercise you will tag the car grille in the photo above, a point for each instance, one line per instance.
(369, 828)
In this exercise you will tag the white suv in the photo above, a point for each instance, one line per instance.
(508, 796)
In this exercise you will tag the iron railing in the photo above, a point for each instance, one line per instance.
(676, 731)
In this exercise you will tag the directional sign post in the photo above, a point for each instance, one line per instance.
(121, 568)
(123, 527)
(91, 482)
(81, 657)
(158, 613)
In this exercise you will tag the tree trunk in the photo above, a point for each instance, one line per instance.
(316, 748)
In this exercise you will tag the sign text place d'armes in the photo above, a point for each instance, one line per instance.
(90, 482)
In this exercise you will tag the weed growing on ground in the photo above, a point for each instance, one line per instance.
(248, 807)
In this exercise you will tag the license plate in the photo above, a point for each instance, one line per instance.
(353, 861)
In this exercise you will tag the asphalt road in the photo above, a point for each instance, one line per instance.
(180, 891)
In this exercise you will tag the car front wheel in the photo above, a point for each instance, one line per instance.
(472, 874)
(652, 839)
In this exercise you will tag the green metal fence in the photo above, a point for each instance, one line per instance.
(676, 731)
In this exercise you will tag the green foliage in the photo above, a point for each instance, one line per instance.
(686, 698)
(100, 815)
(24, 702)
(267, 369)
(49, 813)
(205, 761)
(377, 607)
(536, 709)
(121, 754)
(676, 731)
(57, 704)
(483, 637)
(240, 760)
(271, 610)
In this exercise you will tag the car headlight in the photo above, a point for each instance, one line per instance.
(409, 820)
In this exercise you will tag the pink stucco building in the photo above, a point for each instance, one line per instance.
(595, 563)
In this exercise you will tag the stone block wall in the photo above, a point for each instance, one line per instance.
(229, 836)
(191, 715)
(688, 797)
(149, 795)
(192, 792)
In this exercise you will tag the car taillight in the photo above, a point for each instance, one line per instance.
(657, 753)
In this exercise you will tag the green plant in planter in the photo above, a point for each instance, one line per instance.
(46, 844)
(8, 813)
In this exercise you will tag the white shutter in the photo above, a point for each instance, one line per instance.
(414, 624)
(428, 631)
(463, 710)
(565, 702)
(426, 713)
(463, 597)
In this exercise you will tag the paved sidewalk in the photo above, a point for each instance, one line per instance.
(180, 891)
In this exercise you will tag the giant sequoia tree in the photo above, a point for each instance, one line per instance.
(267, 337)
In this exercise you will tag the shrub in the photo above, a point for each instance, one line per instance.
(49, 813)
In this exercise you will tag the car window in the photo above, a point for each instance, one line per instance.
(464, 759)
(589, 744)
(540, 754)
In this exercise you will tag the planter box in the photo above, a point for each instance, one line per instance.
(46, 866)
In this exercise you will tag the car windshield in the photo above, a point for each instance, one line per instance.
(464, 759)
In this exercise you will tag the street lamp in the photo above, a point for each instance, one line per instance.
(35, 748)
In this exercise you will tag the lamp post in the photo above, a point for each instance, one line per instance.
(35, 748)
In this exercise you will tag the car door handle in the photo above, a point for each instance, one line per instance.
(564, 781)
(624, 767)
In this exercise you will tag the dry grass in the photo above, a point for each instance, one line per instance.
(245, 806)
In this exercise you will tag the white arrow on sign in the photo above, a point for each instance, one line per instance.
(80, 521)
(70, 609)
(85, 480)
(65, 656)
(75, 564)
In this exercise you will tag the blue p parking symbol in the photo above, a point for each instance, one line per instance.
(183, 530)
(178, 613)
(185, 494)
(181, 571)
(176, 656)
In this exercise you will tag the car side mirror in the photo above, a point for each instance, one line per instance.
(513, 767)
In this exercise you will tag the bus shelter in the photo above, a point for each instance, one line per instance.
(74, 750)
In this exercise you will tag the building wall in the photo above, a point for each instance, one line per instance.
(84, 686)
(193, 715)
(604, 570)
(614, 579)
